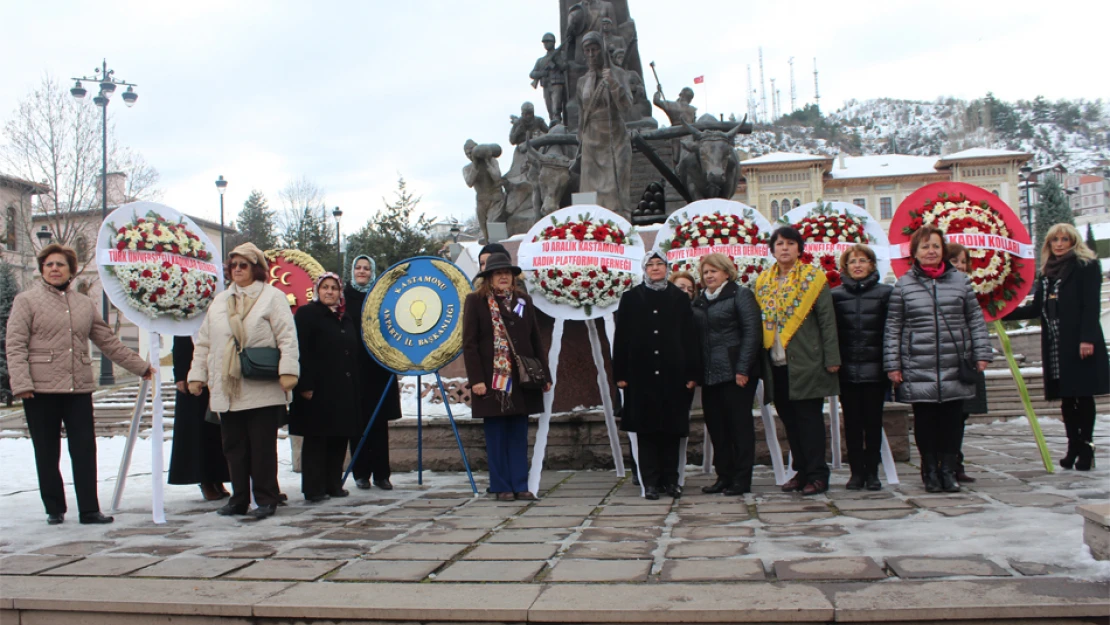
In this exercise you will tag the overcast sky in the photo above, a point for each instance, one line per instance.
(353, 94)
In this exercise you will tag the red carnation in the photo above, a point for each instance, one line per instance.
(158, 248)
(601, 284)
(833, 277)
(567, 282)
(165, 277)
(147, 273)
(593, 274)
(153, 298)
(121, 245)
(585, 284)
(806, 258)
(574, 294)
(160, 291)
(134, 284)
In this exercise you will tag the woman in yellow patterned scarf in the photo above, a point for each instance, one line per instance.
(799, 333)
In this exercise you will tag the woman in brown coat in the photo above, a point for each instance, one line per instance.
(498, 318)
(48, 355)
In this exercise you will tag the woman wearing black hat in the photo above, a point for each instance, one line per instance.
(498, 319)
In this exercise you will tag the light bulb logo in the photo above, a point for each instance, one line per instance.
(417, 309)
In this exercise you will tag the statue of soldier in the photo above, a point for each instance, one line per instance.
(678, 111)
(612, 39)
(550, 72)
(641, 108)
(483, 174)
(605, 146)
(518, 186)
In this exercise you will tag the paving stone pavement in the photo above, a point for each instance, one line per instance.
(1017, 522)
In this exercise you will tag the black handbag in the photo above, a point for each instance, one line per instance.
(530, 373)
(258, 363)
(967, 370)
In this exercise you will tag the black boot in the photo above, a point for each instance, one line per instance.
(929, 475)
(719, 486)
(856, 480)
(1085, 460)
(1067, 410)
(871, 482)
(947, 473)
(651, 493)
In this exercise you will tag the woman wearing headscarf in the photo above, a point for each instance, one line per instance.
(654, 363)
(372, 462)
(499, 319)
(48, 336)
(197, 456)
(326, 400)
(1073, 347)
(799, 331)
(727, 319)
(249, 314)
(934, 341)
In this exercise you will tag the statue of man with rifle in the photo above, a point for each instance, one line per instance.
(550, 72)
(678, 112)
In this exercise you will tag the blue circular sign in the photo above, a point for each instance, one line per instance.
(412, 317)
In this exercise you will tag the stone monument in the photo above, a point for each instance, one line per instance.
(605, 102)
(483, 174)
(678, 111)
(520, 207)
(550, 72)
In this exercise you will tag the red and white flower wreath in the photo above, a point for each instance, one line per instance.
(994, 274)
(158, 288)
(582, 286)
(718, 229)
(824, 225)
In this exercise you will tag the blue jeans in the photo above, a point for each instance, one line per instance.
(507, 453)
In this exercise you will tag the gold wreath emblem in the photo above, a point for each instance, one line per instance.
(392, 357)
(299, 259)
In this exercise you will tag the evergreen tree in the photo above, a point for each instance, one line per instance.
(312, 231)
(1052, 208)
(256, 222)
(1042, 110)
(8, 290)
(1091, 242)
(395, 232)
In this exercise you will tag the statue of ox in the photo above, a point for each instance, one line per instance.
(712, 168)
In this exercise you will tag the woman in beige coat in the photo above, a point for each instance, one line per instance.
(48, 337)
(250, 313)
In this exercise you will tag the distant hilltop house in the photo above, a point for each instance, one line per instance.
(777, 182)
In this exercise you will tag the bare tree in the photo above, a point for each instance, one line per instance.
(55, 140)
(304, 223)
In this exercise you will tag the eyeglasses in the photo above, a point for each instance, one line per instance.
(239, 265)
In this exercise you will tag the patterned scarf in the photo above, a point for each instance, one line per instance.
(502, 355)
(339, 308)
(786, 306)
(240, 301)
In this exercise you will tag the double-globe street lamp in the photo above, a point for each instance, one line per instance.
(221, 186)
(106, 80)
(338, 241)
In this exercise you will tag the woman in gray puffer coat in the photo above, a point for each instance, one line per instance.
(933, 323)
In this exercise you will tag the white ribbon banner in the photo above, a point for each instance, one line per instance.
(129, 257)
(736, 250)
(558, 253)
(974, 241)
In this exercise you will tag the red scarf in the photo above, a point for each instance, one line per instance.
(933, 272)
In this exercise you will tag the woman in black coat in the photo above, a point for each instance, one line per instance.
(327, 398)
(861, 303)
(958, 256)
(372, 462)
(728, 320)
(653, 363)
(498, 318)
(1073, 348)
(197, 456)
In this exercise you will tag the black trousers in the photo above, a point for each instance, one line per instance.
(938, 428)
(728, 415)
(863, 424)
(45, 413)
(250, 446)
(804, 420)
(658, 458)
(1079, 419)
(322, 464)
(373, 461)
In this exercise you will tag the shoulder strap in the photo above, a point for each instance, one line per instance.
(959, 344)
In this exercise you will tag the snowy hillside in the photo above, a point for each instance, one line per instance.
(1076, 133)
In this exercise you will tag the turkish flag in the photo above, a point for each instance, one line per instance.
(699, 80)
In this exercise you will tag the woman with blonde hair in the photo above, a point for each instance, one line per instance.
(861, 302)
(1073, 348)
(727, 319)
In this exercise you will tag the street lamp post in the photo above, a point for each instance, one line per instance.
(107, 82)
(338, 241)
(1026, 180)
(221, 186)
